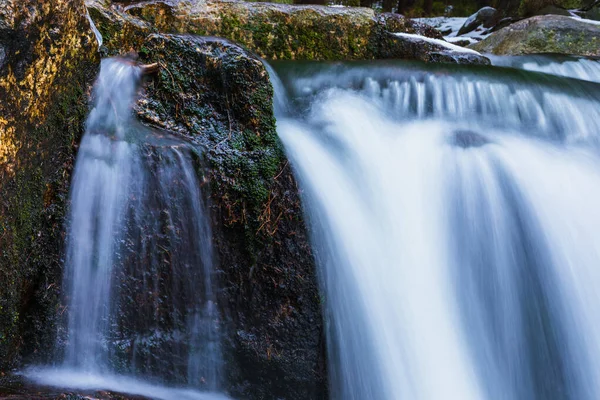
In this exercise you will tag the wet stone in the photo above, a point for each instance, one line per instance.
(467, 138)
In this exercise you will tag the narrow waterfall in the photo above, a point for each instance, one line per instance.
(139, 264)
(453, 217)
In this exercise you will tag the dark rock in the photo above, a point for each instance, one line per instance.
(219, 96)
(590, 11)
(553, 10)
(48, 59)
(466, 139)
(462, 43)
(483, 17)
(418, 48)
(504, 22)
(544, 34)
(15, 387)
(518, 9)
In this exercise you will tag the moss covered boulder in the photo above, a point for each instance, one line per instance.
(272, 31)
(544, 34)
(48, 57)
(219, 96)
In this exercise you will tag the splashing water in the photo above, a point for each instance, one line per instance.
(139, 263)
(453, 218)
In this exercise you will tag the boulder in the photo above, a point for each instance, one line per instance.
(483, 17)
(219, 96)
(48, 59)
(544, 34)
(272, 31)
(432, 50)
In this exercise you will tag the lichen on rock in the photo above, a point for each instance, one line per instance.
(544, 34)
(219, 96)
(47, 58)
(272, 31)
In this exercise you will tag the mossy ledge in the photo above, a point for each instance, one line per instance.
(274, 31)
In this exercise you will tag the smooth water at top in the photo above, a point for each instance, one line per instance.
(139, 264)
(572, 67)
(454, 215)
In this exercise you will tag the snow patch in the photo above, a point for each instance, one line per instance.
(444, 23)
(454, 24)
(443, 43)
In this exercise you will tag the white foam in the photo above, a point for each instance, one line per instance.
(72, 379)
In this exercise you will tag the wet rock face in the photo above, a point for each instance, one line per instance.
(544, 34)
(417, 48)
(273, 31)
(48, 57)
(218, 95)
(465, 139)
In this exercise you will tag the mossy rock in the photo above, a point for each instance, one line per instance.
(48, 56)
(274, 31)
(544, 34)
(219, 96)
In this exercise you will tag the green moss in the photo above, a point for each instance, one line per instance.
(34, 194)
(221, 96)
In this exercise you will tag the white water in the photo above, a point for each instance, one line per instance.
(74, 379)
(139, 263)
(106, 166)
(453, 218)
(97, 33)
(571, 67)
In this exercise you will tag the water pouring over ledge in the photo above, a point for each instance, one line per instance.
(453, 218)
(142, 315)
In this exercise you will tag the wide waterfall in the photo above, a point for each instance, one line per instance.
(139, 266)
(454, 213)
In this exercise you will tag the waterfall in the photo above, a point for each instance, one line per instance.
(139, 265)
(569, 66)
(453, 215)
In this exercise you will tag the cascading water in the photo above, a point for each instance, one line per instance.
(453, 216)
(139, 265)
(574, 67)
